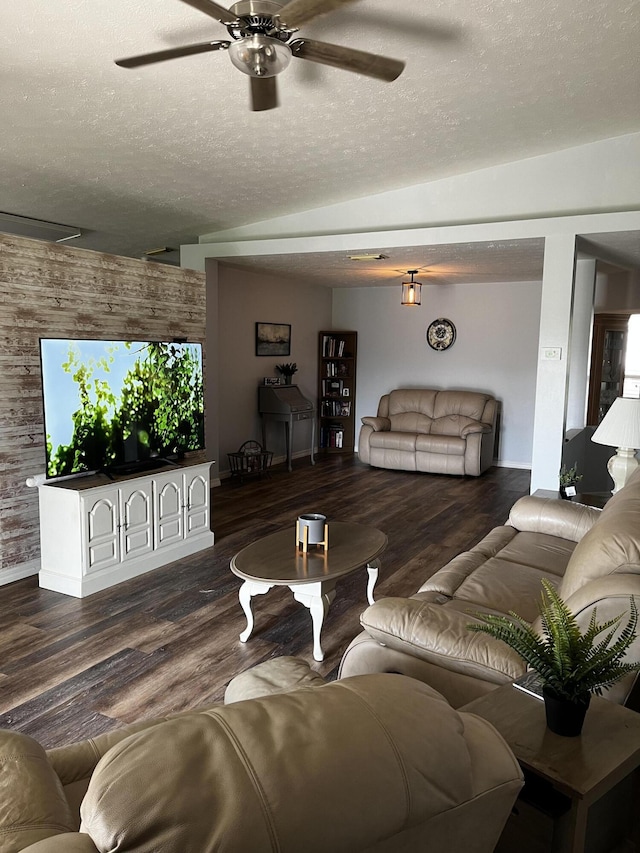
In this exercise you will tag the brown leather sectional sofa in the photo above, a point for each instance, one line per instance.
(592, 557)
(437, 432)
(377, 764)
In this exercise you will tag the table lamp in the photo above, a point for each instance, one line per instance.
(620, 428)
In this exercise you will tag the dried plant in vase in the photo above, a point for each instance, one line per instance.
(287, 370)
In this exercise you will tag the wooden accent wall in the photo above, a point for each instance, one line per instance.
(50, 290)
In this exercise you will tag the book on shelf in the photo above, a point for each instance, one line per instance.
(332, 347)
(335, 408)
(530, 683)
(332, 436)
(336, 368)
(332, 387)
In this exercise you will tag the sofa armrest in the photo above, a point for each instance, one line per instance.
(553, 516)
(33, 802)
(377, 424)
(439, 634)
(475, 427)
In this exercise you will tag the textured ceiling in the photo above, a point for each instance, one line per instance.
(152, 157)
(518, 260)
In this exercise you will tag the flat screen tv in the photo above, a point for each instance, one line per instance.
(119, 405)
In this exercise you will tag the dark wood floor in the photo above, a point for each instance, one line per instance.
(168, 640)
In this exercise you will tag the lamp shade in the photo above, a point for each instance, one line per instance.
(411, 290)
(620, 426)
(260, 56)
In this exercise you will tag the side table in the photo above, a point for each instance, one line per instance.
(595, 499)
(579, 771)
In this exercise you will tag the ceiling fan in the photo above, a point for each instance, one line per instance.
(262, 44)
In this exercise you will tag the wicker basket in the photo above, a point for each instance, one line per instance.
(250, 459)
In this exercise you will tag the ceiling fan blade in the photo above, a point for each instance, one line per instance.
(297, 12)
(213, 10)
(347, 58)
(264, 93)
(171, 53)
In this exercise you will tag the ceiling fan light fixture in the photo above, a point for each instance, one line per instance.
(260, 56)
(411, 290)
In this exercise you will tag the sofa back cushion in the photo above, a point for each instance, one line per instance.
(376, 753)
(612, 544)
(424, 410)
(469, 404)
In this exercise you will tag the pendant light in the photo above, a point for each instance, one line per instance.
(411, 290)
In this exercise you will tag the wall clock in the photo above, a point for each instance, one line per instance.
(441, 334)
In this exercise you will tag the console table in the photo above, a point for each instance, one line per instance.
(570, 776)
(96, 533)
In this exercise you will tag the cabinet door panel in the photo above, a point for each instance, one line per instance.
(136, 513)
(197, 491)
(169, 516)
(100, 522)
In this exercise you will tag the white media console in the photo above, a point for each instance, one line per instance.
(94, 534)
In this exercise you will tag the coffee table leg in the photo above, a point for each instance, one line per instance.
(317, 597)
(373, 568)
(247, 590)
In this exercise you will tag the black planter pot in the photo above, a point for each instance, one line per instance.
(564, 717)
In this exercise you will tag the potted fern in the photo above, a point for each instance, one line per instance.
(572, 665)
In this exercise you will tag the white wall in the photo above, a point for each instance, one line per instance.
(495, 349)
(244, 299)
(582, 191)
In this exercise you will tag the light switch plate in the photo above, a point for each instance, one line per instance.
(552, 353)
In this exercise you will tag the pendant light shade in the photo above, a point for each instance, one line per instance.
(411, 290)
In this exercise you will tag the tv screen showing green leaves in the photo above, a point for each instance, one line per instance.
(111, 405)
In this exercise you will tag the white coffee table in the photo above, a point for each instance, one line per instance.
(277, 560)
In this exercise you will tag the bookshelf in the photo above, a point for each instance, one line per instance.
(337, 391)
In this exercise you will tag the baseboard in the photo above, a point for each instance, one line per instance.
(18, 573)
(276, 460)
(501, 463)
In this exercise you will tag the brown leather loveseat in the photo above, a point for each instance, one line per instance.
(437, 432)
(591, 556)
(378, 763)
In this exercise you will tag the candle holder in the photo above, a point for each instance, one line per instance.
(312, 529)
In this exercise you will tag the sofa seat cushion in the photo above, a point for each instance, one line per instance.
(438, 634)
(450, 444)
(522, 558)
(502, 587)
(547, 554)
(394, 441)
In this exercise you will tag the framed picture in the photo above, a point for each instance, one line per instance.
(271, 380)
(273, 339)
(345, 392)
